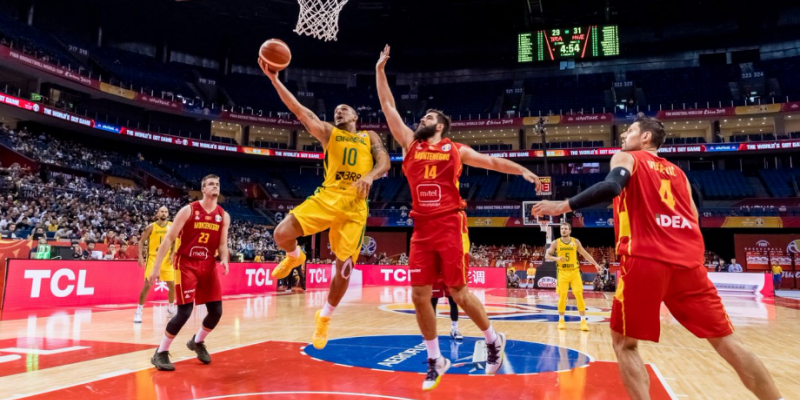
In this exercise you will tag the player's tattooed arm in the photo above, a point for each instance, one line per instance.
(380, 164)
(321, 130)
(550, 254)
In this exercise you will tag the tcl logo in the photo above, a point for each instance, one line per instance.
(318, 275)
(399, 275)
(56, 286)
(261, 277)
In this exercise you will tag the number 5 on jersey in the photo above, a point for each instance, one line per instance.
(430, 172)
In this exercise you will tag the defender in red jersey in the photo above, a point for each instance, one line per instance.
(440, 243)
(661, 249)
(203, 230)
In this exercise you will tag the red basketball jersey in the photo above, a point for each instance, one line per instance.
(653, 215)
(433, 172)
(202, 232)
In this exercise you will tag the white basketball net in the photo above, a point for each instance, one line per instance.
(319, 18)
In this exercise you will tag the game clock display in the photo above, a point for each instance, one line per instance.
(568, 43)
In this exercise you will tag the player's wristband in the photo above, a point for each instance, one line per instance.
(602, 191)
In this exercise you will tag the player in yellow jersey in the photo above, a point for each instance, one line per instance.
(564, 251)
(148, 248)
(353, 160)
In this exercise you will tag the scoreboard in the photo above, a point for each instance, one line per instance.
(578, 42)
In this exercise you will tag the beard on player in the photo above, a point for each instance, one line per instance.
(425, 132)
(162, 218)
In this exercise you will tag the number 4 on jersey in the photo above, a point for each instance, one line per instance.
(666, 193)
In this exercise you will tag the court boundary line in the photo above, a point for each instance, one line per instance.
(663, 381)
(99, 378)
(227, 396)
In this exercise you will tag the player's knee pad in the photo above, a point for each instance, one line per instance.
(214, 314)
(176, 323)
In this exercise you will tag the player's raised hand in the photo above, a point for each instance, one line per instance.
(272, 75)
(363, 185)
(532, 178)
(546, 207)
(384, 58)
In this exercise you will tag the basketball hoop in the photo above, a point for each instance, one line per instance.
(319, 18)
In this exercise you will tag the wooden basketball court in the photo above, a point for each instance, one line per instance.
(258, 351)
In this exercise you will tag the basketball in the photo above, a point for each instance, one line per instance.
(276, 54)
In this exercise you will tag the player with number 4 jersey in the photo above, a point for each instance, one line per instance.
(661, 249)
(440, 244)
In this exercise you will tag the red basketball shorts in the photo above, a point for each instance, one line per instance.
(196, 281)
(440, 251)
(687, 292)
(439, 290)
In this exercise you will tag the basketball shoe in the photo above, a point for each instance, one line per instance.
(161, 361)
(584, 325)
(495, 354)
(561, 324)
(287, 265)
(456, 335)
(200, 349)
(436, 369)
(320, 338)
(137, 316)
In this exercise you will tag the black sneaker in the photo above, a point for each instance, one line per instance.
(200, 349)
(161, 361)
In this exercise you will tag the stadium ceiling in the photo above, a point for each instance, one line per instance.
(431, 32)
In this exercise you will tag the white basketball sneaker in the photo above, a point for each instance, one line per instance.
(495, 354)
(137, 316)
(436, 369)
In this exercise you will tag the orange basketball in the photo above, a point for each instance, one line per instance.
(276, 54)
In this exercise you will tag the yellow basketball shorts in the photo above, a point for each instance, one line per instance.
(345, 216)
(569, 278)
(167, 273)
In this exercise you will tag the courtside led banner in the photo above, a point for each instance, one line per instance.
(36, 284)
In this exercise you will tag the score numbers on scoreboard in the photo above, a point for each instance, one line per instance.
(578, 42)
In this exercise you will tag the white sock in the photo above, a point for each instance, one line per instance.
(201, 335)
(490, 335)
(327, 311)
(454, 325)
(140, 308)
(583, 318)
(165, 342)
(294, 253)
(171, 306)
(560, 318)
(433, 348)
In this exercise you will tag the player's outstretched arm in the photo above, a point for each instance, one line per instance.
(380, 165)
(401, 133)
(177, 226)
(586, 255)
(224, 255)
(475, 159)
(143, 244)
(616, 180)
(316, 127)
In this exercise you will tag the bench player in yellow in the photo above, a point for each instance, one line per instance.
(568, 268)
(148, 248)
(353, 160)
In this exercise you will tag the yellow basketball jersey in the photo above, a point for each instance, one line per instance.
(156, 237)
(570, 253)
(348, 157)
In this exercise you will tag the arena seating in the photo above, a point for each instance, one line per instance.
(781, 182)
(721, 184)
